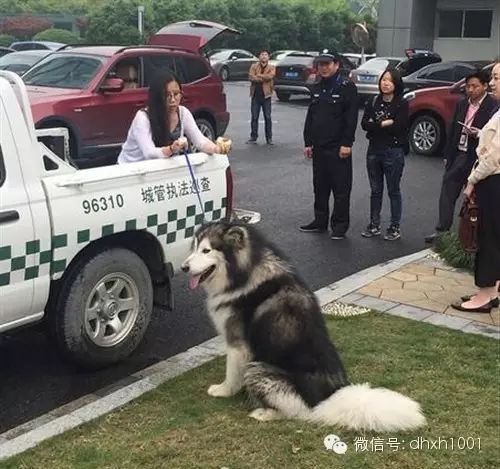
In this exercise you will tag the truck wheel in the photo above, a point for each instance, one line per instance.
(282, 96)
(104, 308)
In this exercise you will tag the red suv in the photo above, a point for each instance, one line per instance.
(431, 113)
(95, 91)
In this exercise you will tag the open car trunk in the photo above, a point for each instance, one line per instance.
(190, 35)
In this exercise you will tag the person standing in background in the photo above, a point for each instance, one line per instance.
(471, 114)
(261, 76)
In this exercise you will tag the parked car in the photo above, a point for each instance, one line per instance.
(431, 112)
(232, 64)
(5, 51)
(36, 45)
(279, 55)
(95, 91)
(440, 74)
(356, 59)
(366, 76)
(20, 62)
(296, 74)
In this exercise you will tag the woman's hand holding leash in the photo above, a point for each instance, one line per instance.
(223, 145)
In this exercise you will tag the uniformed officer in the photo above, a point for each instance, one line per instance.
(328, 135)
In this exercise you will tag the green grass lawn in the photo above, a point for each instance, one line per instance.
(454, 376)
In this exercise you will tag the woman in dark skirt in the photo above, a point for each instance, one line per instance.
(484, 183)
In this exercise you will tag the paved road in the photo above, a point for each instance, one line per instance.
(275, 181)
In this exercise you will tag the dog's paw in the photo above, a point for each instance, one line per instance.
(265, 415)
(220, 390)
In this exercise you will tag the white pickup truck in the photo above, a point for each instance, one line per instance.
(92, 250)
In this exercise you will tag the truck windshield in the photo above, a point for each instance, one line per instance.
(64, 71)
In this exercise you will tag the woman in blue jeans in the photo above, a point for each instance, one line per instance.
(386, 122)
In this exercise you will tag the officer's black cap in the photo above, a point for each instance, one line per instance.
(327, 57)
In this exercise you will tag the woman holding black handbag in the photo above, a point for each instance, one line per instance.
(484, 185)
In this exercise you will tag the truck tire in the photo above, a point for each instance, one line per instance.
(104, 308)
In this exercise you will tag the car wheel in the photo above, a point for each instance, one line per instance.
(224, 74)
(104, 308)
(425, 135)
(206, 128)
(282, 96)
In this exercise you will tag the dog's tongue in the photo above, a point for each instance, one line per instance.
(194, 280)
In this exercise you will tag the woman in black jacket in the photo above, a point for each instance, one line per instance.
(386, 122)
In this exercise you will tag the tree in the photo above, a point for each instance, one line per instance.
(115, 21)
(6, 40)
(57, 35)
(24, 26)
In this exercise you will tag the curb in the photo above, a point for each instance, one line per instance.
(90, 407)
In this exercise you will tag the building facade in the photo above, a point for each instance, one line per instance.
(455, 29)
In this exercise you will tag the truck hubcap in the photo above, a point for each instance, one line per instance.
(111, 310)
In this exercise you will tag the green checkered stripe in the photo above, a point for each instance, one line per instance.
(169, 227)
(16, 265)
(24, 261)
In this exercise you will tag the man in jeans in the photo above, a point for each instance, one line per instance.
(261, 76)
(471, 114)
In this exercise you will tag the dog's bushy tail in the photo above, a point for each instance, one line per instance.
(359, 407)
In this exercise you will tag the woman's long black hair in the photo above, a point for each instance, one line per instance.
(157, 107)
(396, 80)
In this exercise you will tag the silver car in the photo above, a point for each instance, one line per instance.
(367, 75)
(232, 63)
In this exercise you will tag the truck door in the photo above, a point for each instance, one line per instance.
(19, 250)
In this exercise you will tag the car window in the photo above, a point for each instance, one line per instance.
(219, 56)
(242, 55)
(461, 71)
(190, 69)
(156, 63)
(441, 73)
(129, 70)
(64, 71)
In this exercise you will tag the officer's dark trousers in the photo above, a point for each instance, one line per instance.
(332, 174)
(454, 179)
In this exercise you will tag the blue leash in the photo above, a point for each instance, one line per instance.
(195, 184)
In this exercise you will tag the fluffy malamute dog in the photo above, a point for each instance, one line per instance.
(277, 342)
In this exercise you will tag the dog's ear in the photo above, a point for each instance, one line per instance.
(235, 236)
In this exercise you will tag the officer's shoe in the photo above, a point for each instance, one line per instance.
(337, 236)
(313, 227)
(270, 141)
(392, 233)
(371, 231)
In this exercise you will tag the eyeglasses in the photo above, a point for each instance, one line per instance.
(175, 95)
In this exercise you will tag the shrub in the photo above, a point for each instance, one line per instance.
(447, 245)
(57, 35)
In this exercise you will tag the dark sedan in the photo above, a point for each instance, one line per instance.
(296, 74)
(440, 74)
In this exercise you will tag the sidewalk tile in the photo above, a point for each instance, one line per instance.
(370, 290)
(460, 274)
(478, 328)
(430, 305)
(422, 286)
(402, 276)
(375, 303)
(495, 316)
(448, 321)
(385, 282)
(402, 296)
(443, 281)
(418, 269)
(410, 312)
(484, 318)
(351, 298)
(325, 295)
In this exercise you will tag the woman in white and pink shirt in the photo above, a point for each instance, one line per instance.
(164, 128)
